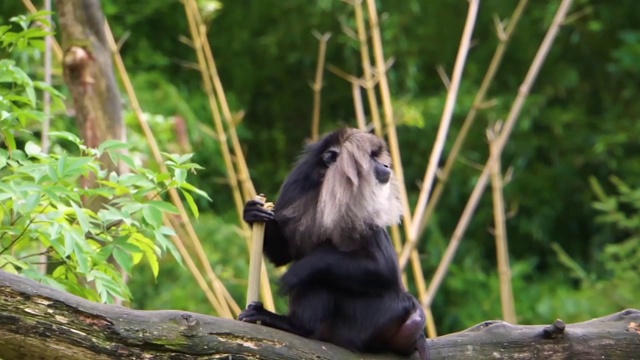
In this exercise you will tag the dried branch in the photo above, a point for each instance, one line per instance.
(317, 84)
(502, 247)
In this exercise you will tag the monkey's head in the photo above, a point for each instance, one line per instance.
(341, 187)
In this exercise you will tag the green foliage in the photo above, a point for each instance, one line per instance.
(41, 196)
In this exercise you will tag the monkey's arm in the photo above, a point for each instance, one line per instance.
(343, 270)
(276, 246)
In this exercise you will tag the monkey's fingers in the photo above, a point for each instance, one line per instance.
(257, 214)
(255, 305)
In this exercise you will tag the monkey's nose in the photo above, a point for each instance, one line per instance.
(383, 174)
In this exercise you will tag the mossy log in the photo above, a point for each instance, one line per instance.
(39, 322)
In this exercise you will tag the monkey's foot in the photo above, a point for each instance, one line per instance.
(256, 313)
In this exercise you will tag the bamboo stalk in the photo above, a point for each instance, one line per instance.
(514, 112)
(395, 152)
(317, 84)
(153, 145)
(366, 68)
(213, 299)
(357, 105)
(215, 93)
(255, 261)
(478, 102)
(370, 83)
(502, 247)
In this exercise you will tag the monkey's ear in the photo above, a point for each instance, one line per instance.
(330, 156)
(371, 128)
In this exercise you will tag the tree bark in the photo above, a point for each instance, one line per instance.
(39, 322)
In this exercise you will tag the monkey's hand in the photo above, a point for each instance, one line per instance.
(254, 313)
(254, 211)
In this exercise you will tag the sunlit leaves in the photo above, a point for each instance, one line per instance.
(42, 204)
(43, 195)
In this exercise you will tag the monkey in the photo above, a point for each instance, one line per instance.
(329, 223)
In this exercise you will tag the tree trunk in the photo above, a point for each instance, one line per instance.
(38, 322)
(88, 73)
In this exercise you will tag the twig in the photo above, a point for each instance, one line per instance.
(443, 76)
(478, 102)
(317, 84)
(502, 247)
(518, 103)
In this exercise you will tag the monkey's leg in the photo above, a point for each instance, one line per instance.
(255, 313)
(423, 348)
(410, 335)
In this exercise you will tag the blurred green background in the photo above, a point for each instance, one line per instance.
(574, 254)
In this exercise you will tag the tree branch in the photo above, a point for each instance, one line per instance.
(37, 321)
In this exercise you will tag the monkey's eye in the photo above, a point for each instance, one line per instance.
(376, 152)
(330, 156)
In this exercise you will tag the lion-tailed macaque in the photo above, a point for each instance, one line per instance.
(330, 222)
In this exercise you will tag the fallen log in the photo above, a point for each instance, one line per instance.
(37, 321)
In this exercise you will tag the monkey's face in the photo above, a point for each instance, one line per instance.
(358, 189)
(341, 187)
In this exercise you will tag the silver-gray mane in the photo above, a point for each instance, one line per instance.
(350, 200)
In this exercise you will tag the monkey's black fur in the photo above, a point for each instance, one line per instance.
(349, 295)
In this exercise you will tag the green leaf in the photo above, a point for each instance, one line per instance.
(66, 136)
(81, 258)
(124, 158)
(135, 180)
(9, 140)
(152, 215)
(148, 248)
(48, 88)
(123, 258)
(83, 219)
(180, 175)
(194, 189)
(164, 206)
(165, 243)
(32, 149)
(113, 145)
(9, 259)
(191, 203)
